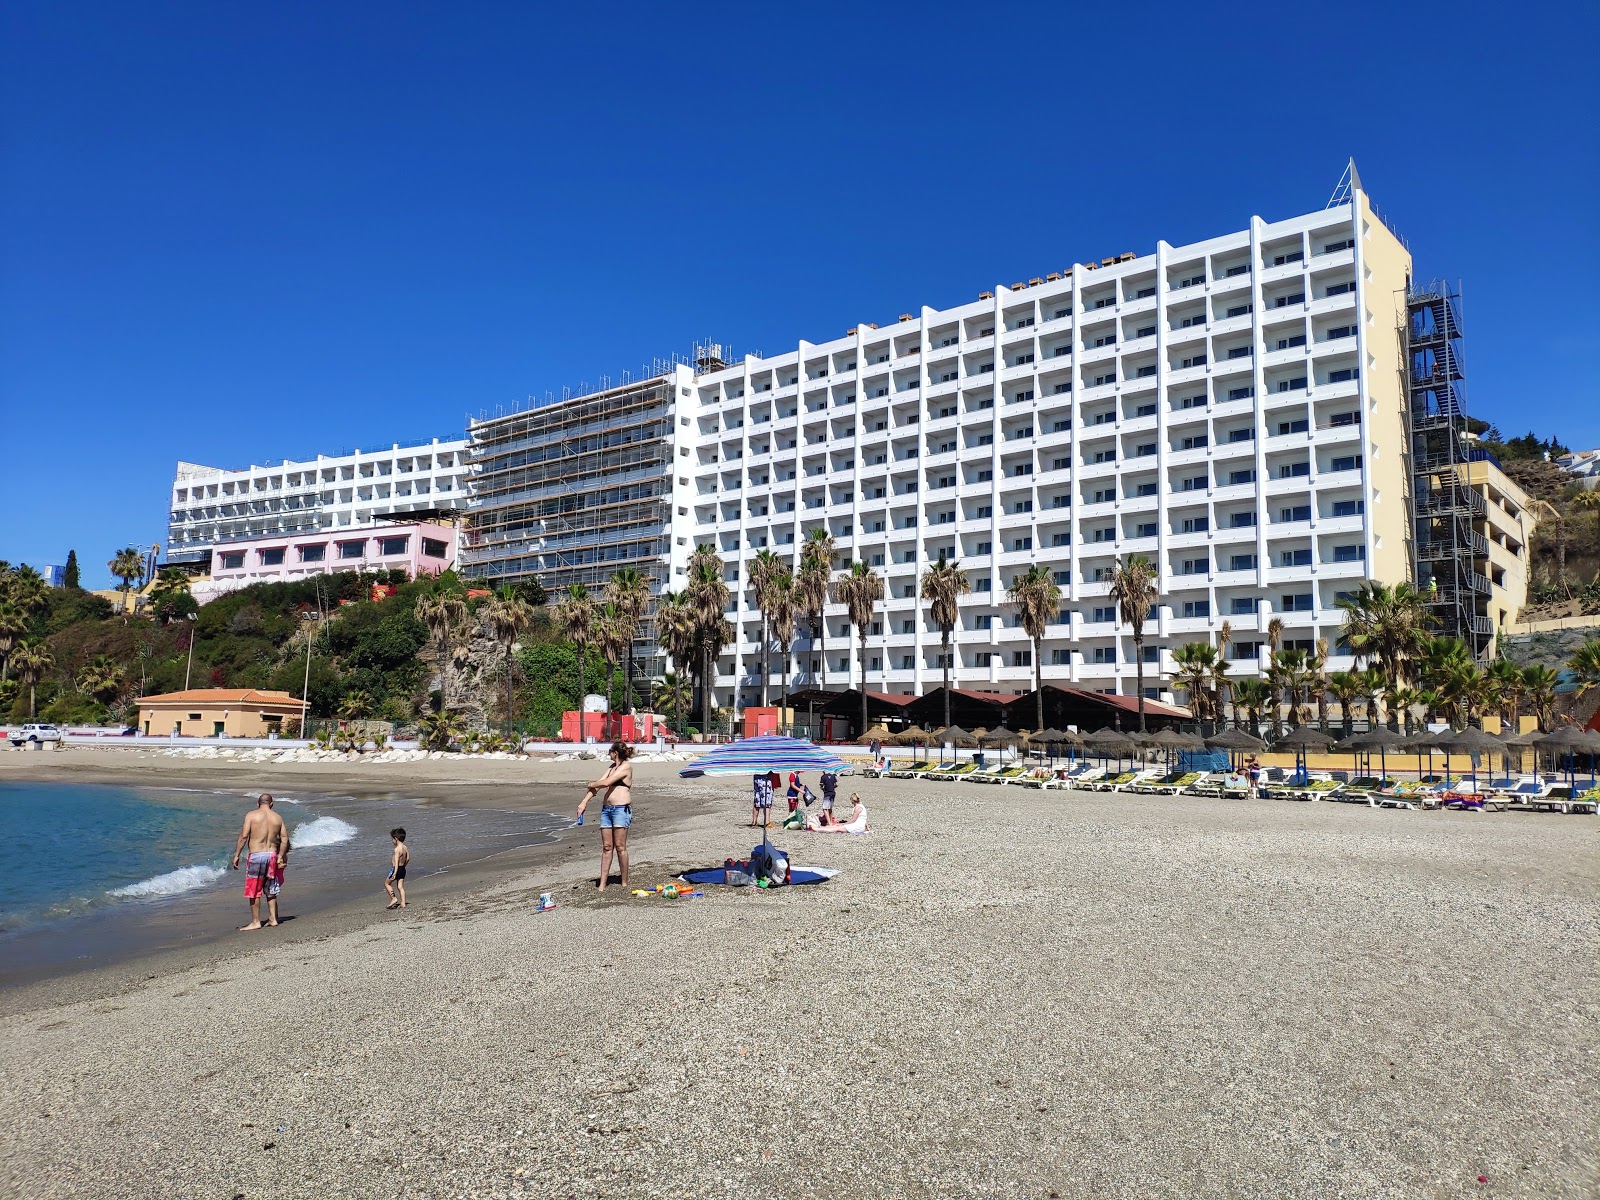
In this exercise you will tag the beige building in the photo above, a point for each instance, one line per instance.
(1506, 526)
(217, 712)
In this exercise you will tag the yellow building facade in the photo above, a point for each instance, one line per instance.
(217, 712)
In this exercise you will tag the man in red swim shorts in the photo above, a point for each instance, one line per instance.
(267, 839)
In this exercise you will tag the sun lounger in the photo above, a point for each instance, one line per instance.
(1586, 802)
(1111, 783)
(1083, 777)
(1156, 783)
(953, 773)
(909, 771)
(1557, 799)
(1171, 787)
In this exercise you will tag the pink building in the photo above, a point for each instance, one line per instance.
(421, 548)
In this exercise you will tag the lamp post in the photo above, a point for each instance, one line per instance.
(188, 670)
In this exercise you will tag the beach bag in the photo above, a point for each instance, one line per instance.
(771, 864)
(795, 820)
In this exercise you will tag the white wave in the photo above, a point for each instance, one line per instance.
(324, 831)
(173, 883)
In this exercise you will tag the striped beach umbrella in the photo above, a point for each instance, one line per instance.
(771, 752)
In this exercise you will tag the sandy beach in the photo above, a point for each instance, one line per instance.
(1004, 993)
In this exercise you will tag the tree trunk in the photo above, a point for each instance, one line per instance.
(1038, 686)
(1138, 672)
(627, 679)
(863, 679)
(821, 630)
(705, 690)
(766, 660)
(511, 688)
(786, 647)
(33, 704)
(945, 666)
(583, 690)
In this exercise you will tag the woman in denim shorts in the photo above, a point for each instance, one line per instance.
(616, 811)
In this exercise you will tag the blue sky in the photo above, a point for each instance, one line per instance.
(230, 233)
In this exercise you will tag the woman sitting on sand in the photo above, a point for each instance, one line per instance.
(856, 822)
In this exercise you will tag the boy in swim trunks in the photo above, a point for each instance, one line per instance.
(398, 863)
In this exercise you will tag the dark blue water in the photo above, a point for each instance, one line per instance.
(66, 849)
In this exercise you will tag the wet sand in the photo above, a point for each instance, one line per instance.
(1003, 993)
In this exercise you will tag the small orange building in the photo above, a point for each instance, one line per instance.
(217, 712)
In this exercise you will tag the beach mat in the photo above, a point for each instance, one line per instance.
(718, 876)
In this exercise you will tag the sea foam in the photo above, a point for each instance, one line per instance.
(173, 883)
(324, 831)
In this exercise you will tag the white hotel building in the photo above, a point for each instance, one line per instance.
(212, 506)
(1233, 409)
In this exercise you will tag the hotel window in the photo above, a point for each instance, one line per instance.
(312, 553)
(232, 560)
(982, 658)
(1242, 562)
(1196, 524)
(272, 558)
(389, 546)
(1294, 558)
(1297, 602)
(1103, 615)
(1347, 463)
(983, 585)
(1348, 508)
(1197, 608)
(1104, 654)
(1344, 554)
(983, 622)
(1242, 520)
(1298, 339)
(1243, 606)
(1022, 543)
(1022, 658)
(434, 548)
(1298, 512)
(1060, 657)
(1247, 475)
(1063, 578)
(1146, 529)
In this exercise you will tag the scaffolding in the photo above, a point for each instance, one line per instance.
(1449, 552)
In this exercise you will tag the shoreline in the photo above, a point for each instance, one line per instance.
(1002, 992)
(178, 943)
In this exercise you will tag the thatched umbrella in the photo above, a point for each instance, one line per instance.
(1422, 742)
(1381, 740)
(999, 737)
(1052, 738)
(1472, 742)
(1568, 740)
(1235, 742)
(915, 736)
(1108, 742)
(1302, 741)
(878, 733)
(954, 735)
(1520, 742)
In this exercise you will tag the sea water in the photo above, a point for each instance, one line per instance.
(67, 849)
(92, 872)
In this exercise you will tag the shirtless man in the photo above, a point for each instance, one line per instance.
(267, 838)
(616, 811)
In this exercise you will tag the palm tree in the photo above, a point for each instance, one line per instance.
(1346, 688)
(1317, 683)
(1373, 686)
(438, 730)
(629, 589)
(13, 624)
(1219, 672)
(102, 677)
(613, 633)
(507, 615)
(127, 565)
(811, 587)
(356, 705)
(675, 694)
(442, 612)
(1403, 703)
(1133, 588)
(33, 661)
(575, 616)
(1585, 660)
(1196, 664)
(1037, 599)
(707, 595)
(763, 570)
(1253, 695)
(943, 585)
(1505, 685)
(1539, 686)
(27, 588)
(1386, 626)
(782, 617)
(676, 632)
(1289, 678)
(858, 590)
